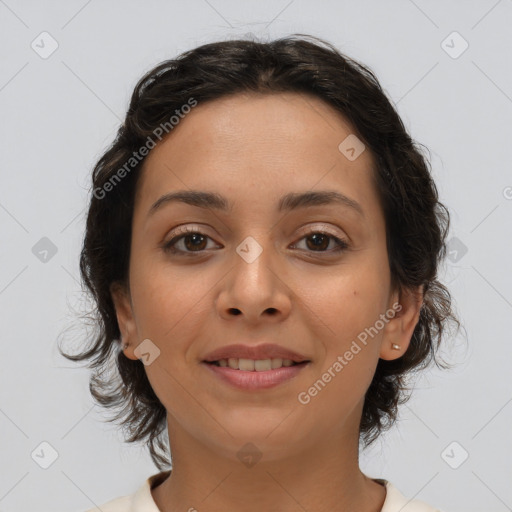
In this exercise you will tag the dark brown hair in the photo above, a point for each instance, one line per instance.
(416, 222)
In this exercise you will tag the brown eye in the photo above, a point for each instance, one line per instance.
(191, 241)
(319, 241)
(197, 241)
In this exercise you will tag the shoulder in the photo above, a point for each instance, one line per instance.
(140, 501)
(396, 501)
(121, 504)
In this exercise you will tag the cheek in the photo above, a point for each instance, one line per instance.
(167, 298)
(348, 301)
(339, 386)
(349, 308)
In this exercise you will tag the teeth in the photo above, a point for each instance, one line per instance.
(246, 364)
(250, 365)
(262, 365)
(276, 363)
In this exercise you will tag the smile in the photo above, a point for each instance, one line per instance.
(255, 374)
(251, 365)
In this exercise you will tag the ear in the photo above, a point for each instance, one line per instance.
(125, 319)
(399, 328)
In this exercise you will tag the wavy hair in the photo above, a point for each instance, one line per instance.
(416, 222)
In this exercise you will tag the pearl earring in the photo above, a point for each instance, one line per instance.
(394, 346)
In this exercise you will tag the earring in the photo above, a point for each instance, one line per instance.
(394, 346)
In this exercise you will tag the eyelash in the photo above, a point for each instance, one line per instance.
(183, 232)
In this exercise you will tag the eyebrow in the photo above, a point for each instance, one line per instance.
(291, 201)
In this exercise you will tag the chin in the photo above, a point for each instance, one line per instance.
(274, 435)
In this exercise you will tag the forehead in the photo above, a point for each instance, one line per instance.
(257, 145)
(255, 122)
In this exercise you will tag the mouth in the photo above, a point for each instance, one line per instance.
(255, 365)
(261, 357)
(252, 375)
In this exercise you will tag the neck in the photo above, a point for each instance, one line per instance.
(316, 478)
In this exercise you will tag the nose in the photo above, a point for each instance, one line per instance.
(255, 289)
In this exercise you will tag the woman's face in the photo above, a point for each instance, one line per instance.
(260, 274)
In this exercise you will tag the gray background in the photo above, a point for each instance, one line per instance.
(58, 115)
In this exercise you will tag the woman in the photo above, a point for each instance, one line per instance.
(262, 244)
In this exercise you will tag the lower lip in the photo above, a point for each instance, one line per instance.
(256, 380)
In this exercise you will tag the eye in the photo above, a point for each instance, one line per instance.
(191, 240)
(320, 241)
(194, 241)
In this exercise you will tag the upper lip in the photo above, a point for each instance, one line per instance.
(264, 351)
